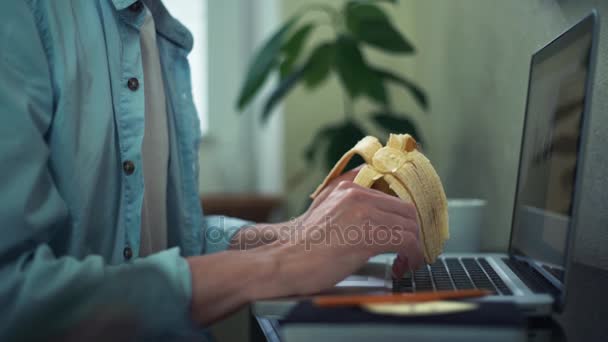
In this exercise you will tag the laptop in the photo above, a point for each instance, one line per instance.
(534, 271)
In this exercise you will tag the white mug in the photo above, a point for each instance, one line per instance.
(465, 220)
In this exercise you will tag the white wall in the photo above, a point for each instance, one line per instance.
(473, 61)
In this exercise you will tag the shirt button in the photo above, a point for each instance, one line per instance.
(127, 253)
(136, 7)
(133, 83)
(128, 167)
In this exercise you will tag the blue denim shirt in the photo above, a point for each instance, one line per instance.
(71, 184)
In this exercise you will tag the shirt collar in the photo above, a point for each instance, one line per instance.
(169, 27)
(166, 25)
(122, 4)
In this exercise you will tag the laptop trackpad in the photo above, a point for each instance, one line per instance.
(373, 274)
(362, 281)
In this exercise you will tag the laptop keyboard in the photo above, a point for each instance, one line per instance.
(453, 274)
(531, 277)
(502, 288)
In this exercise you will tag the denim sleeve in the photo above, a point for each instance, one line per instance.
(219, 230)
(44, 293)
(62, 295)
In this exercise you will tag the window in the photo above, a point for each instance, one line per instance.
(226, 34)
(193, 14)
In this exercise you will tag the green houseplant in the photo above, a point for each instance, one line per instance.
(356, 24)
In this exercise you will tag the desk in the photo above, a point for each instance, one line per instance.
(538, 330)
(585, 317)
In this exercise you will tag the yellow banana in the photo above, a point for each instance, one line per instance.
(399, 169)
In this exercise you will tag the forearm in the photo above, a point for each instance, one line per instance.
(225, 281)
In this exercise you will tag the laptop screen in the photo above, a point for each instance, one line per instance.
(549, 157)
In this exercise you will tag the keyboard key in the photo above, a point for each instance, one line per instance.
(459, 276)
(403, 284)
(502, 287)
(400, 287)
(444, 286)
(424, 287)
(478, 276)
(441, 277)
(531, 277)
(422, 280)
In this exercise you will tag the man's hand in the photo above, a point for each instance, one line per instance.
(402, 263)
(264, 233)
(344, 227)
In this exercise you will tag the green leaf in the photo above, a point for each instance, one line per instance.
(292, 48)
(319, 64)
(371, 1)
(418, 94)
(355, 74)
(391, 123)
(264, 61)
(342, 138)
(363, 12)
(310, 152)
(281, 90)
(338, 139)
(369, 24)
(348, 62)
(376, 90)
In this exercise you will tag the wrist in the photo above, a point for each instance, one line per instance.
(261, 234)
(252, 236)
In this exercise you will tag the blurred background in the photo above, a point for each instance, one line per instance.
(471, 61)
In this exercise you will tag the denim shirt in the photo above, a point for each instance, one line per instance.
(71, 184)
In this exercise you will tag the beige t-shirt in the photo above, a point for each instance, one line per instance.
(155, 146)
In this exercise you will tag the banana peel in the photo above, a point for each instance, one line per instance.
(399, 169)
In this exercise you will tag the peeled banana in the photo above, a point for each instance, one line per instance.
(400, 169)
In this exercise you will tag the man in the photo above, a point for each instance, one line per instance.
(99, 214)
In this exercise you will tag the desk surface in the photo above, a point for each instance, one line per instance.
(585, 316)
(538, 330)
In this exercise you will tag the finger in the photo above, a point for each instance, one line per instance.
(398, 266)
(409, 255)
(394, 222)
(404, 235)
(322, 196)
(415, 252)
(348, 176)
(384, 202)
